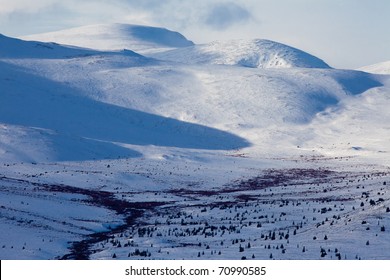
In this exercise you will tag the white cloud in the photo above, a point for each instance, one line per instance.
(169, 13)
(224, 15)
(10, 6)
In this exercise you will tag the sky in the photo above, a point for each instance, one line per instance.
(344, 33)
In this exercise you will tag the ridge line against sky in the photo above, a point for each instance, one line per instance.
(344, 33)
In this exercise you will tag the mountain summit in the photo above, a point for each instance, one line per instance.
(165, 44)
(256, 53)
(138, 38)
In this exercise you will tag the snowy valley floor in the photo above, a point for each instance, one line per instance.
(215, 206)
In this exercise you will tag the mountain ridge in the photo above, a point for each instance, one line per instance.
(165, 44)
(255, 53)
(116, 36)
(18, 48)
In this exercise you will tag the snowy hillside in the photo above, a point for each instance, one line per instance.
(16, 48)
(241, 149)
(143, 39)
(249, 53)
(379, 68)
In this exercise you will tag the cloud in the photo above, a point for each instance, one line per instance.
(225, 15)
(178, 14)
(24, 17)
(20, 17)
(7, 7)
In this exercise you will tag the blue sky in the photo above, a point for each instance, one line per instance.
(345, 33)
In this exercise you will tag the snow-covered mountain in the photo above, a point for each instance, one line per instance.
(378, 68)
(142, 39)
(108, 137)
(155, 41)
(249, 53)
(116, 99)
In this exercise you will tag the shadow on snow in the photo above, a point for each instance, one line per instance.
(76, 123)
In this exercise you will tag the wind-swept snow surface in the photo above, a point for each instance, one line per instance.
(249, 53)
(379, 68)
(230, 150)
(15, 48)
(143, 39)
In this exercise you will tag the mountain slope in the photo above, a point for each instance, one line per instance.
(104, 100)
(69, 122)
(249, 53)
(16, 48)
(125, 103)
(142, 39)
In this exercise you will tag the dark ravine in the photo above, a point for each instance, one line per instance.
(131, 211)
(81, 250)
